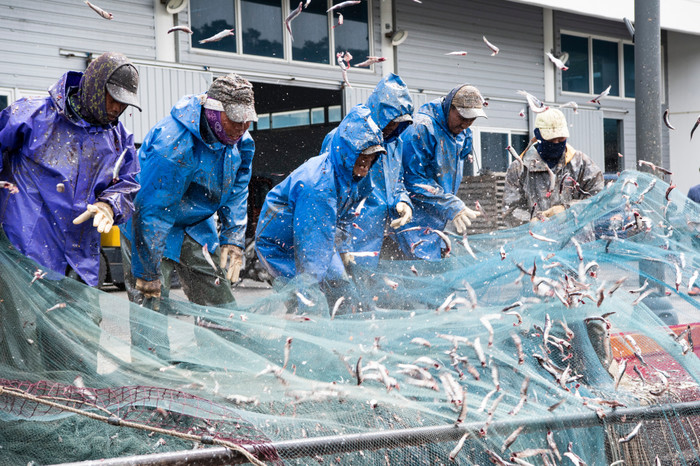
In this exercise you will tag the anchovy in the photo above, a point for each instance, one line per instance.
(519, 348)
(479, 351)
(446, 239)
(459, 53)
(336, 306)
(556, 405)
(695, 126)
(620, 372)
(559, 64)
(642, 296)
(207, 257)
(370, 61)
(535, 104)
(304, 299)
(180, 28)
(596, 99)
(542, 238)
(664, 386)
(392, 284)
(639, 373)
(102, 12)
(643, 287)
(460, 444)
(691, 280)
(358, 371)
(57, 306)
(462, 412)
(493, 48)
(359, 207)
(570, 104)
(340, 21)
(616, 285)
(465, 243)
(632, 434)
(486, 322)
(343, 5)
(421, 341)
(118, 165)
(218, 36)
(511, 438)
(552, 444)
(292, 15)
(654, 167)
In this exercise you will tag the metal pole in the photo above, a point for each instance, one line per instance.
(647, 70)
(647, 94)
(397, 438)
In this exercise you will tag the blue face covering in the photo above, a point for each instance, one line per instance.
(550, 152)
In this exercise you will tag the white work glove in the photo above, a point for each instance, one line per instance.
(347, 258)
(102, 215)
(149, 289)
(405, 213)
(236, 261)
(464, 219)
(554, 210)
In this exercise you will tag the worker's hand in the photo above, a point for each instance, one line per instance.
(149, 289)
(464, 219)
(102, 215)
(347, 258)
(554, 210)
(405, 212)
(233, 267)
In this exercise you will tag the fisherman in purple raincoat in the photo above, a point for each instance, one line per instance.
(71, 160)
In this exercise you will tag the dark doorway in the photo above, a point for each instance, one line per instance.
(612, 141)
(292, 122)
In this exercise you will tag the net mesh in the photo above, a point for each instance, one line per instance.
(606, 285)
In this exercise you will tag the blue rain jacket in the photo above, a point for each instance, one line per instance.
(184, 182)
(433, 163)
(383, 188)
(297, 228)
(44, 144)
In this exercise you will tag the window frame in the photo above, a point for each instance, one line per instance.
(9, 93)
(476, 145)
(287, 43)
(620, 64)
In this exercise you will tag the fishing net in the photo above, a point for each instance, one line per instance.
(565, 339)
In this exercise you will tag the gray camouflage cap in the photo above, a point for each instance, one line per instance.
(235, 94)
(469, 102)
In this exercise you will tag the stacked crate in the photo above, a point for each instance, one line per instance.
(488, 189)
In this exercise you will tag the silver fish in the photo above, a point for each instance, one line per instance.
(558, 63)
(459, 53)
(292, 15)
(542, 238)
(632, 434)
(667, 122)
(493, 48)
(370, 61)
(218, 36)
(118, 165)
(695, 126)
(460, 444)
(99, 10)
(180, 28)
(336, 306)
(343, 5)
(535, 104)
(596, 99)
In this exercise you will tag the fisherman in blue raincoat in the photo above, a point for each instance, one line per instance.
(195, 162)
(71, 160)
(297, 228)
(382, 193)
(434, 149)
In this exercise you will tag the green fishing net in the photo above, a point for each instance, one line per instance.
(556, 341)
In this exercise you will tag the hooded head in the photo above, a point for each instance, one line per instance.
(230, 107)
(110, 73)
(356, 133)
(551, 131)
(391, 101)
(468, 104)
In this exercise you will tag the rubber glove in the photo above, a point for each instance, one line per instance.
(554, 210)
(102, 215)
(347, 258)
(405, 213)
(149, 289)
(464, 219)
(236, 261)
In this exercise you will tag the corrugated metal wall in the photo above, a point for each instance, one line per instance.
(159, 89)
(33, 33)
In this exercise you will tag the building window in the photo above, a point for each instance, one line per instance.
(262, 25)
(3, 102)
(209, 17)
(628, 67)
(494, 155)
(595, 64)
(353, 35)
(310, 30)
(612, 142)
(260, 30)
(335, 114)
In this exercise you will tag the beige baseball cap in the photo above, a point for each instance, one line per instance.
(552, 124)
(235, 95)
(469, 102)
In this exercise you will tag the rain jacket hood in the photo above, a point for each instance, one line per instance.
(296, 230)
(91, 99)
(389, 100)
(433, 164)
(383, 188)
(185, 180)
(43, 144)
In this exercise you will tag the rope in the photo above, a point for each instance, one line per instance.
(115, 421)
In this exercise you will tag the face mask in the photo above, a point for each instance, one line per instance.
(214, 119)
(550, 152)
